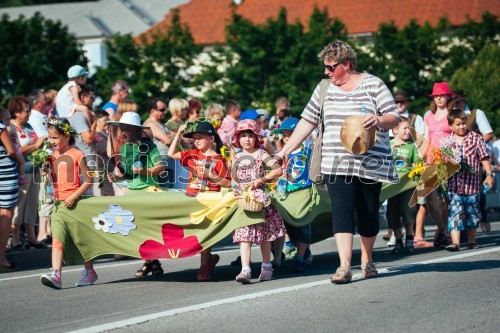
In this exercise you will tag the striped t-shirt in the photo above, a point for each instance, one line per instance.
(372, 95)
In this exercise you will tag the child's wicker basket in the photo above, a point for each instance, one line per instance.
(249, 204)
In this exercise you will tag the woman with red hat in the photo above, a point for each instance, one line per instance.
(437, 123)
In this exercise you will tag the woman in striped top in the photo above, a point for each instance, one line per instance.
(8, 193)
(353, 180)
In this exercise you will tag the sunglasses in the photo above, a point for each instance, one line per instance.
(162, 110)
(331, 68)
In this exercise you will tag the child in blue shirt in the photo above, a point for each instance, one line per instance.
(297, 173)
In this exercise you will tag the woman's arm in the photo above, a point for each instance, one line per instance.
(28, 149)
(301, 132)
(7, 143)
(154, 170)
(386, 122)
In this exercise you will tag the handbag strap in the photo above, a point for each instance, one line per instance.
(323, 89)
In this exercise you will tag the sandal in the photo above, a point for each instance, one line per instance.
(452, 248)
(146, 268)
(368, 270)
(156, 268)
(341, 276)
(473, 246)
(205, 273)
(421, 243)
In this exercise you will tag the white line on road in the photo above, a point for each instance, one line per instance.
(173, 312)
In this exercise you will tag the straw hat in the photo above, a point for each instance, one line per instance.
(354, 137)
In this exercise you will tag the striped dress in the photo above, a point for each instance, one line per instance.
(9, 184)
(374, 96)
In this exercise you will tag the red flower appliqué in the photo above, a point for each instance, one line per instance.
(175, 245)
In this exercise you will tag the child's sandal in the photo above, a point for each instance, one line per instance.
(146, 268)
(341, 276)
(156, 268)
(452, 248)
(368, 270)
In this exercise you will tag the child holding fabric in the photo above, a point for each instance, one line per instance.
(67, 165)
(207, 172)
(140, 164)
(297, 173)
(249, 170)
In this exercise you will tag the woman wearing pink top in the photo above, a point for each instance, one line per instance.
(437, 124)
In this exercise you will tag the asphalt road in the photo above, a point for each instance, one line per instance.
(430, 291)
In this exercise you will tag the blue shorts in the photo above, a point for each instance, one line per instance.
(463, 211)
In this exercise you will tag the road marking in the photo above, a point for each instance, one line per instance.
(201, 306)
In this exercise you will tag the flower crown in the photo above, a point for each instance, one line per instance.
(63, 126)
(191, 126)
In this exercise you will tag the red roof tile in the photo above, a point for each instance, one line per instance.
(207, 18)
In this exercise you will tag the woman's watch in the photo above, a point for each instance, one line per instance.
(492, 174)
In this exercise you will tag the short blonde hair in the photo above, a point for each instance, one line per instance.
(125, 106)
(340, 52)
(214, 109)
(176, 105)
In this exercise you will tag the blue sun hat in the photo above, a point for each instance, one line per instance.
(289, 124)
(250, 114)
(76, 71)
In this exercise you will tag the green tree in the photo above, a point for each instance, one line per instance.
(153, 68)
(465, 42)
(407, 59)
(275, 59)
(36, 53)
(481, 82)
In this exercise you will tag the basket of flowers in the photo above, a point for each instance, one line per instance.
(253, 200)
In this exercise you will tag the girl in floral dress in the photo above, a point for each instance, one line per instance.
(249, 169)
